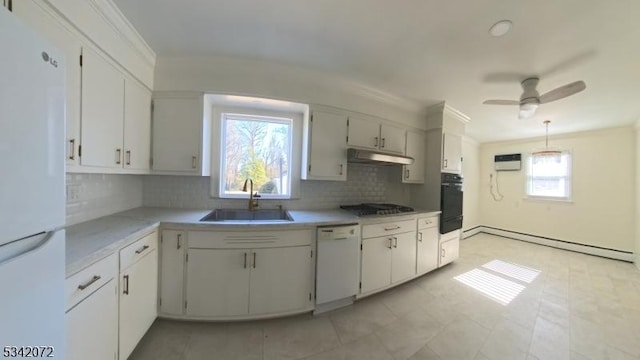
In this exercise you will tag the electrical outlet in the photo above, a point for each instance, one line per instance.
(73, 192)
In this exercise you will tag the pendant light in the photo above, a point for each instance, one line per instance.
(547, 151)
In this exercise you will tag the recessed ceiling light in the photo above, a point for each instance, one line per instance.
(500, 28)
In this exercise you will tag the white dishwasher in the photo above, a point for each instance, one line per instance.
(338, 266)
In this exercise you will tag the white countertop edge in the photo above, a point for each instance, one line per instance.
(155, 218)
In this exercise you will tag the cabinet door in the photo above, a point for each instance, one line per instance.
(392, 139)
(177, 129)
(92, 326)
(102, 112)
(449, 251)
(363, 133)
(376, 263)
(403, 256)
(280, 279)
(451, 153)
(218, 282)
(40, 17)
(427, 249)
(327, 150)
(416, 147)
(138, 301)
(172, 272)
(137, 126)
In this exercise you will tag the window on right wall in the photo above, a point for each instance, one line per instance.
(548, 175)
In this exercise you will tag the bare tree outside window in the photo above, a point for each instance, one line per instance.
(258, 148)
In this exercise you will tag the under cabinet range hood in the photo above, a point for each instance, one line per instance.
(375, 157)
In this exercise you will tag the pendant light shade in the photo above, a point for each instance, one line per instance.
(547, 151)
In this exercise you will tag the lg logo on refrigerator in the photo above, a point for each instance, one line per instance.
(49, 59)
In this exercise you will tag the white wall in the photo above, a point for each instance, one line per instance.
(603, 209)
(90, 196)
(240, 76)
(471, 173)
(637, 249)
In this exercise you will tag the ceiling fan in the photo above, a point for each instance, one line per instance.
(530, 99)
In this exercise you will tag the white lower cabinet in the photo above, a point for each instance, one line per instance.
(92, 315)
(403, 257)
(245, 274)
(218, 282)
(172, 259)
(390, 258)
(428, 251)
(449, 247)
(138, 292)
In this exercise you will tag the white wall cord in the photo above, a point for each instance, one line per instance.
(497, 196)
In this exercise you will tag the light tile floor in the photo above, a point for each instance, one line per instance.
(578, 307)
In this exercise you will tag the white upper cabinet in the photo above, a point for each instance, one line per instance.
(325, 147)
(445, 128)
(364, 134)
(392, 139)
(137, 126)
(451, 153)
(416, 147)
(49, 25)
(375, 136)
(181, 135)
(102, 112)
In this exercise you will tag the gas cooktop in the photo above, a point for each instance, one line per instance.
(376, 209)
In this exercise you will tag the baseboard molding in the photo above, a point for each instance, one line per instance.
(559, 244)
(470, 232)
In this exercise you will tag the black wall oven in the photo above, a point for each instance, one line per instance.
(450, 203)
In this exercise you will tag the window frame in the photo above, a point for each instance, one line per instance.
(568, 179)
(217, 151)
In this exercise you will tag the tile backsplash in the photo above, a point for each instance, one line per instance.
(365, 183)
(90, 196)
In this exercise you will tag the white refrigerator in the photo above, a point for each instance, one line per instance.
(32, 193)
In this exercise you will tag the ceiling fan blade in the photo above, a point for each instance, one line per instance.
(563, 92)
(501, 102)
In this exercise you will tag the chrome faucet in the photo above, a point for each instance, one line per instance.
(253, 198)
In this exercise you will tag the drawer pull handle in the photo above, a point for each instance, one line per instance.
(245, 260)
(118, 156)
(193, 162)
(376, 139)
(72, 142)
(126, 285)
(254, 260)
(390, 243)
(382, 143)
(419, 236)
(128, 153)
(139, 251)
(179, 245)
(395, 242)
(88, 283)
(392, 228)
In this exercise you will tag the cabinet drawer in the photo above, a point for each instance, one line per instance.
(137, 250)
(427, 222)
(396, 227)
(80, 285)
(248, 239)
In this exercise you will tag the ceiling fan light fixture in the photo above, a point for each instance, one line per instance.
(501, 28)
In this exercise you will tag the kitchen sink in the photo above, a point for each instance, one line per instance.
(246, 215)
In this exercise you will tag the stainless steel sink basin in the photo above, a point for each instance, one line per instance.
(242, 214)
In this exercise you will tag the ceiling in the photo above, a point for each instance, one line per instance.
(428, 51)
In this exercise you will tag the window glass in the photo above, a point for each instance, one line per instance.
(256, 148)
(549, 175)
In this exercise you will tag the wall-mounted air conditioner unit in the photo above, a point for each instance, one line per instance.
(508, 162)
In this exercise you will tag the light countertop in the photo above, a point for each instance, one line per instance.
(93, 240)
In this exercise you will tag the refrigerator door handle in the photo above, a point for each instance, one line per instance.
(23, 247)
